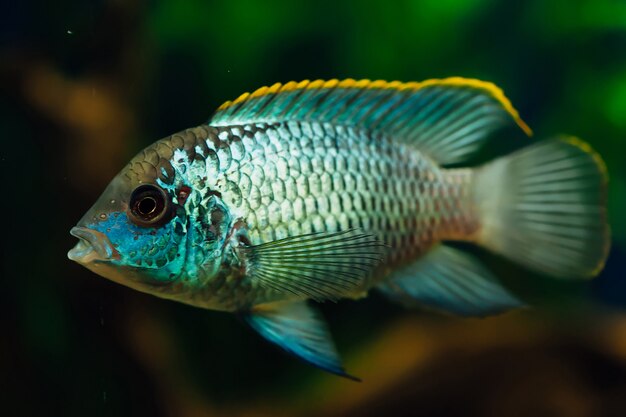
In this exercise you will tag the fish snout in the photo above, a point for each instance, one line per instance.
(92, 246)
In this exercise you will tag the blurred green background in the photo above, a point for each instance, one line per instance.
(86, 84)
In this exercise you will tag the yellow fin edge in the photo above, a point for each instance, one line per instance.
(489, 87)
(586, 148)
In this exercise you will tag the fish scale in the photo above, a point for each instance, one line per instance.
(297, 178)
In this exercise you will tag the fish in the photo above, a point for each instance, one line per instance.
(318, 191)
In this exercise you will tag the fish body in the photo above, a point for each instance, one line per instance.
(325, 190)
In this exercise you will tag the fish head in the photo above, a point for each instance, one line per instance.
(153, 227)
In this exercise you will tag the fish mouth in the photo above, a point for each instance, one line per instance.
(92, 246)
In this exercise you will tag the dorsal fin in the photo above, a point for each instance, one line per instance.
(444, 118)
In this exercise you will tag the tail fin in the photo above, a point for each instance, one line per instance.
(545, 207)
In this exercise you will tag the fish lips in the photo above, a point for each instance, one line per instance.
(92, 246)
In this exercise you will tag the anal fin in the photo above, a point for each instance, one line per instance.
(300, 330)
(450, 280)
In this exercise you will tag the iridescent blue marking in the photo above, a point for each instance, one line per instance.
(299, 330)
(159, 248)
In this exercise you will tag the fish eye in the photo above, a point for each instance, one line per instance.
(148, 205)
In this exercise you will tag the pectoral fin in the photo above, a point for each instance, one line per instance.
(301, 331)
(320, 266)
(450, 280)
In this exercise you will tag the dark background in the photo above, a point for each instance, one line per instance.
(86, 84)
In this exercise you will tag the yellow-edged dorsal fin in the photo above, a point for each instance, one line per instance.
(445, 118)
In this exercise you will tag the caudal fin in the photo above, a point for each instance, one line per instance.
(545, 207)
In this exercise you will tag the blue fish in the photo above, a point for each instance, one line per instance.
(326, 190)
